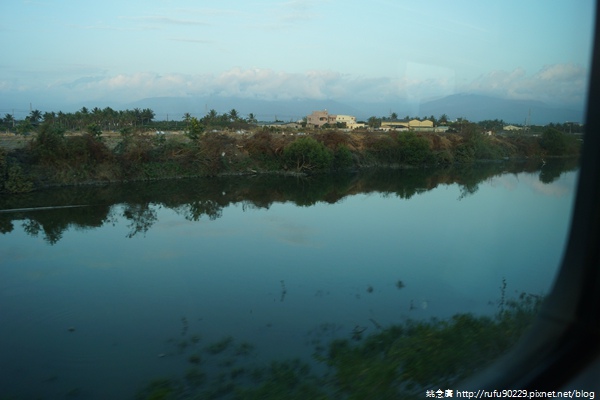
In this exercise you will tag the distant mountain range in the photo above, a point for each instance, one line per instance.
(265, 110)
(470, 106)
(478, 108)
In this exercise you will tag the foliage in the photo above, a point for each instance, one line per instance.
(495, 125)
(12, 177)
(398, 361)
(86, 149)
(3, 163)
(554, 142)
(374, 122)
(16, 181)
(405, 359)
(24, 127)
(195, 129)
(476, 145)
(444, 157)
(94, 130)
(54, 158)
(484, 149)
(49, 144)
(414, 150)
(383, 148)
(342, 158)
(306, 154)
(333, 139)
(264, 149)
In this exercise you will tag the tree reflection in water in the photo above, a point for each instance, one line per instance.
(45, 212)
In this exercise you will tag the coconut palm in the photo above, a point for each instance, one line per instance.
(35, 116)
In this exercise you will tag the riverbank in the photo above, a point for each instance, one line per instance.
(51, 158)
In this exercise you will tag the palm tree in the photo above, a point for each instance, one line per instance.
(187, 118)
(97, 115)
(35, 116)
(147, 115)
(9, 120)
(108, 117)
(212, 114)
(233, 114)
(137, 116)
(49, 117)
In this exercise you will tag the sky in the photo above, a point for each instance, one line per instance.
(62, 53)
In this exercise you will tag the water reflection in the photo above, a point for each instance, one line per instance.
(49, 214)
(212, 288)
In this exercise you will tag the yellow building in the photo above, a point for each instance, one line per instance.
(394, 125)
(420, 125)
(415, 124)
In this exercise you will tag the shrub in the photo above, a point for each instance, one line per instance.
(383, 148)
(12, 177)
(49, 144)
(484, 149)
(17, 181)
(342, 158)
(444, 157)
(95, 131)
(554, 142)
(464, 153)
(414, 150)
(265, 150)
(306, 154)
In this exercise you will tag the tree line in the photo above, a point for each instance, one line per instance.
(109, 119)
(106, 119)
(488, 125)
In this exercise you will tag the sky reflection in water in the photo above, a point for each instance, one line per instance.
(268, 276)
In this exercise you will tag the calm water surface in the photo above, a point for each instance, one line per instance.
(97, 300)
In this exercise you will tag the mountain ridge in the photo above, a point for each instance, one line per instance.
(476, 107)
(473, 107)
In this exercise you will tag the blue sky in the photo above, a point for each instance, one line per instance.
(60, 53)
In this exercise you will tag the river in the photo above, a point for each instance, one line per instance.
(104, 288)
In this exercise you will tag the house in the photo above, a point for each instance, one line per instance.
(319, 118)
(512, 128)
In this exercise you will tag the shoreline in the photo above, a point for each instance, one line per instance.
(43, 161)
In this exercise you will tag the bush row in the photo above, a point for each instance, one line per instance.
(55, 159)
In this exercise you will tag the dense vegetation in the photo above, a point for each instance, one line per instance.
(399, 361)
(108, 146)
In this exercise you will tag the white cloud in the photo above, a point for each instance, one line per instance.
(553, 84)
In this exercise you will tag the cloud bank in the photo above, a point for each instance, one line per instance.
(559, 84)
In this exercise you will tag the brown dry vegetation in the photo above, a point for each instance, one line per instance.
(52, 158)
